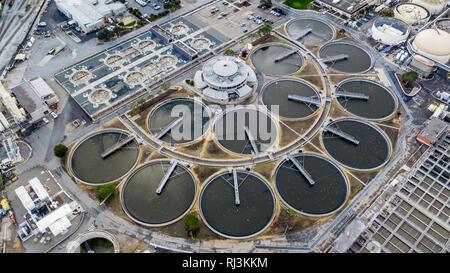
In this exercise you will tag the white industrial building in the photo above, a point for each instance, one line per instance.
(225, 78)
(36, 108)
(433, 6)
(44, 91)
(411, 13)
(10, 104)
(25, 198)
(57, 221)
(390, 31)
(433, 44)
(90, 15)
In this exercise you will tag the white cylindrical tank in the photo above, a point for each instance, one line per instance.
(390, 31)
(434, 44)
(433, 6)
(411, 13)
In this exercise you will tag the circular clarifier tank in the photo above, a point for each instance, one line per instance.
(269, 60)
(319, 33)
(277, 93)
(372, 150)
(325, 196)
(94, 242)
(193, 124)
(356, 60)
(230, 130)
(88, 165)
(378, 104)
(145, 206)
(254, 213)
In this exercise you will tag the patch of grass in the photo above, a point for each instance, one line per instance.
(297, 4)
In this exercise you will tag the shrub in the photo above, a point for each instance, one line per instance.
(106, 190)
(191, 223)
(60, 150)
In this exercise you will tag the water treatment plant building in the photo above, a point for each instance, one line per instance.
(225, 78)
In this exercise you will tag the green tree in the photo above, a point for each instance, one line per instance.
(266, 29)
(60, 150)
(387, 13)
(410, 76)
(191, 223)
(229, 52)
(106, 190)
(342, 31)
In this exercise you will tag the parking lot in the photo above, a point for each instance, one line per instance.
(149, 8)
(232, 23)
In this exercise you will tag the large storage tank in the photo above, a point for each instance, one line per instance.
(433, 6)
(411, 13)
(390, 31)
(434, 44)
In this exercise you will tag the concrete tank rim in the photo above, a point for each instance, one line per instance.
(163, 102)
(389, 91)
(314, 19)
(350, 44)
(240, 107)
(71, 246)
(320, 156)
(302, 81)
(263, 180)
(258, 47)
(83, 139)
(143, 166)
(375, 127)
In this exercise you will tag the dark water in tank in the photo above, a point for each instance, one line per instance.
(143, 203)
(196, 115)
(326, 195)
(89, 166)
(379, 105)
(319, 34)
(372, 150)
(276, 93)
(229, 130)
(264, 60)
(358, 60)
(252, 215)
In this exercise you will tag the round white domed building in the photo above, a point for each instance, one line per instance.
(390, 31)
(225, 79)
(434, 44)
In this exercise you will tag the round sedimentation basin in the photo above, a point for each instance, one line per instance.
(94, 242)
(276, 93)
(328, 193)
(88, 166)
(372, 152)
(194, 124)
(358, 60)
(221, 214)
(320, 33)
(230, 133)
(144, 206)
(380, 104)
(264, 59)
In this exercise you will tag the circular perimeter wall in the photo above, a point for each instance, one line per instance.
(221, 214)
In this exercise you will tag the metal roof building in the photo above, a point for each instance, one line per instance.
(90, 14)
(25, 198)
(56, 221)
(39, 189)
